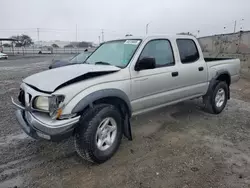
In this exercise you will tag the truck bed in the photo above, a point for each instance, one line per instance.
(230, 65)
(208, 59)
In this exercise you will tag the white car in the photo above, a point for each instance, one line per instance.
(3, 56)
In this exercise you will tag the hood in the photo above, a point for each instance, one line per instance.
(50, 80)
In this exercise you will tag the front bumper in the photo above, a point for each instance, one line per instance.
(39, 125)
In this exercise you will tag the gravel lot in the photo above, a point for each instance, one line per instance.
(177, 146)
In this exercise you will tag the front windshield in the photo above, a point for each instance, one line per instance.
(117, 53)
(80, 58)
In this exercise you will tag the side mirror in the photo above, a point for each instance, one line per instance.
(145, 63)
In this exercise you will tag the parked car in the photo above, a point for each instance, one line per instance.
(46, 50)
(95, 101)
(79, 58)
(3, 56)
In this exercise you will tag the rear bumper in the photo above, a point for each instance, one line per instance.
(41, 126)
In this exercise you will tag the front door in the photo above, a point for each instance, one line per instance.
(150, 87)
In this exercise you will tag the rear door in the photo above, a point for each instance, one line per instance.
(192, 68)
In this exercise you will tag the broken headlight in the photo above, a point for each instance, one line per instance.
(52, 104)
(41, 103)
(55, 106)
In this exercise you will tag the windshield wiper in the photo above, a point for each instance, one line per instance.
(105, 63)
(101, 63)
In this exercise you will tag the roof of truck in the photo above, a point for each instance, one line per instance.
(156, 37)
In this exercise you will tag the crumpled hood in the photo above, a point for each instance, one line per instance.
(50, 80)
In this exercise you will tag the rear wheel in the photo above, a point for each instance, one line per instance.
(216, 101)
(99, 134)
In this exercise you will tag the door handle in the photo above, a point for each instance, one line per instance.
(201, 68)
(174, 74)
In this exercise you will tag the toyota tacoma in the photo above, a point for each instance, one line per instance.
(94, 101)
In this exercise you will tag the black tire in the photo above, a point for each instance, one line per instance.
(85, 135)
(209, 99)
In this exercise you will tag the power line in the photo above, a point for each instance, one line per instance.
(62, 30)
(20, 29)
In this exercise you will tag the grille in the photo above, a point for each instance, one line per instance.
(29, 97)
(21, 97)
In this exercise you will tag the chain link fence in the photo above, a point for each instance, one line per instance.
(33, 50)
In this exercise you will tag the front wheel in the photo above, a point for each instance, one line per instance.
(99, 134)
(216, 101)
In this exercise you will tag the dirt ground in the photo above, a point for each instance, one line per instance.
(179, 146)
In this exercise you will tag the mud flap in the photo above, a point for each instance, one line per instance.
(127, 128)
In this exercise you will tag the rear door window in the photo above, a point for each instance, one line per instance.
(188, 50)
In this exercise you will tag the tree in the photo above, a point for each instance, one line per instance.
(55, 46)
(22, 40)
(84, 44)
(6, 45)
(69, 46)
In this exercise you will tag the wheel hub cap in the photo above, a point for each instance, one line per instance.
(220, 97)
(106, 133)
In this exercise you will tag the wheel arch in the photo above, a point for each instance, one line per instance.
(224, 76)
(221, 76)
(114, 97)
(103, 95)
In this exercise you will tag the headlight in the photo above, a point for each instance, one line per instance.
(52, 104)
(41, 103)
(55, 105)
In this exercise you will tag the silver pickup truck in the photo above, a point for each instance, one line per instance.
(95, 101)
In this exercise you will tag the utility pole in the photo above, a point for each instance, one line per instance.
(102, 35)
(235, 22)
(76, 32)
(38, 30)
(198, 32)
(147, 28)
(76, 40)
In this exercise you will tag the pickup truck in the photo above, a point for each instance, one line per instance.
(94, 101)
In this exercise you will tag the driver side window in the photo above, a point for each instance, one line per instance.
(161, 51)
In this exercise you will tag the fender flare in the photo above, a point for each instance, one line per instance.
(214, 81)
(89, 99)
